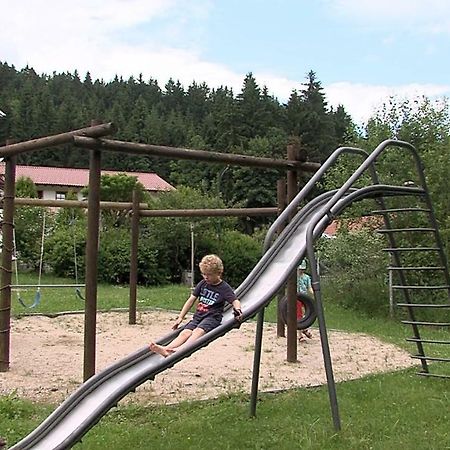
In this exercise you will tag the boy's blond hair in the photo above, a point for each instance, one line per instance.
(211, 264)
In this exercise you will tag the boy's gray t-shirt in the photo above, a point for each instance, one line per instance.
(212, 297)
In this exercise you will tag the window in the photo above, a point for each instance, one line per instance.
(60, 196)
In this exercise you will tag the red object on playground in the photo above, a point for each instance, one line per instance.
(300, 308)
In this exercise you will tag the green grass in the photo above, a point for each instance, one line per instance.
(390, 411)
(386, 411)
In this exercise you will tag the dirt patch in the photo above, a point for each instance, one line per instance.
(47, 358)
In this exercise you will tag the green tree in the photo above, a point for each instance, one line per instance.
(29, 225)
(117, 188)
(250, 113)
(174, 234)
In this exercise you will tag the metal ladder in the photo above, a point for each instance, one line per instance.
(420, 269)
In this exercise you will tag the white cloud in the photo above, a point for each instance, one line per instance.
(48, 35)
(156, 38)
(431, 16)
(361, 101)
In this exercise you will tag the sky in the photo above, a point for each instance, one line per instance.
(362, 51)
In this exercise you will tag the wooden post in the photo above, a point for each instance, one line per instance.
(6, 269)
(92, 244)
(134, 258)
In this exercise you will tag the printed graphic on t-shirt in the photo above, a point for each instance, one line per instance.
(211, 298)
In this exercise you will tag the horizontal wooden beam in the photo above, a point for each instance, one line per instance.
(191, 154)
(57, 139)
(20, 201)
(227, 212)
(145, 211)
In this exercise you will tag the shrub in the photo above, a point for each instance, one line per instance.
(239, 253)
(356, 271)
(114, 259)
(61, 247)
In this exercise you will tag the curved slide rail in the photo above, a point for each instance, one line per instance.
(85, 407)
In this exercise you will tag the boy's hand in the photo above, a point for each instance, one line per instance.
(237, 314)
(177, 323)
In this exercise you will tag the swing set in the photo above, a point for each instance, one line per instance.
(37, 296)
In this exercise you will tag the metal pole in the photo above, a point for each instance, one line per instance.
(281, 201)
(291, 287)
(323, 329)
(391, 294)
(192, 256)
(134, 258)
(256, 362)
(90, 318)
(6, 269)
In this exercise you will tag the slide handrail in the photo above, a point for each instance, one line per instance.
(293, 205)
(368, 163)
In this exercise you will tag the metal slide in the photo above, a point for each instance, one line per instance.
(85, 407)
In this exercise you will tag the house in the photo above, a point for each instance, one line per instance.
(53, 183)
(365, 222)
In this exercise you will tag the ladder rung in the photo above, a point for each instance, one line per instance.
(416, 268)
(430, 358)
(394, 210)
(425, 374)
(445, 286)
(412, 249)
(399, 230)
(427, 341)
(423, 305)
(431, 324)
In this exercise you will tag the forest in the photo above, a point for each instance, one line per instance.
(250, 122)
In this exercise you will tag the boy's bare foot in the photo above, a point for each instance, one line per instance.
(160, 349)
(308, 334)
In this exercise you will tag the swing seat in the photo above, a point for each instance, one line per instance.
(36, 301)
(79, 294)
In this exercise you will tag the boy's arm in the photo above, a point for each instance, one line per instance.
(237, 311)
(186, 307)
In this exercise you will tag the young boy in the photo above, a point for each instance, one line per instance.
(304, 287)
(212, 293)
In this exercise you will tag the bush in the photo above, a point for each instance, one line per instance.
(239, 253)
(356, 271)
(114, 259)
(60, 252)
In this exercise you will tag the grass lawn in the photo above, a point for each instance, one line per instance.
(387, 411)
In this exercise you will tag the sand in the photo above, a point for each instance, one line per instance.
(47, 358)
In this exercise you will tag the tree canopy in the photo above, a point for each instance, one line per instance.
(251, 122)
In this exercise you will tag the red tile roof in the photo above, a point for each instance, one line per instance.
(60, 176)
